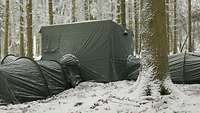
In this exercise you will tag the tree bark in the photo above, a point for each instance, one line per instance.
(21, 28)
(51, 11)
(29, 29)
(167, 23)
(118, 12)
(123, 13)
(154, 50)
(136, 26)
(6, 35)
(175, 28)
(189, 27)
(74, 11)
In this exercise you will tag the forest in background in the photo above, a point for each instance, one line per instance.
(21, 20)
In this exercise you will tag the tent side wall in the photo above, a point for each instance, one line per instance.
(90, 42)
(122, 47)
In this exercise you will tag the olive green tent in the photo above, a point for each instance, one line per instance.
(102, 48)
(185, 68)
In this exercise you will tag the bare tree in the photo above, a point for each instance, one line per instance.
(74, 11)
(175, 27)
(50, 12)
(6, 35)
(123, 13)
(21, 28)
(190, 48)
(29, 29)
(136, 26)
(118, 19)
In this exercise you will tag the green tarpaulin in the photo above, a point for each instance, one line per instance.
(23, 79)
(102, 48)
(185, 68)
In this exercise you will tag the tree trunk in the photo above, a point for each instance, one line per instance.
(189, 27)
(123, 13)
(51, 11)
(29, 29)
(6, 27)
(140, 27)
(175, 28)
(88, 15)
(154, 53)
(74, 11)
(22, 28)
(136, 26)
(118, 12)
(167, 23)
(130, 17)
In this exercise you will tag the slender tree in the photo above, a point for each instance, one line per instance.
(140, 26)
(22, 28)
(73, 10)
(175, 27)
(123, 13)
(6, 35)
(190, 48)
(29, 29)
(118, 19)
(87, 8)
(130, 16)
(51, 12)
(136, 26)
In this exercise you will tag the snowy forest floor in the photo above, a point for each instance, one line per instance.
(115, 97)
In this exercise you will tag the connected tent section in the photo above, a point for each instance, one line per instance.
(185, 68)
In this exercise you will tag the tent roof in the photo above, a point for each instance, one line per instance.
(74, 23)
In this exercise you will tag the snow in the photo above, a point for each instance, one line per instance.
(114, 97)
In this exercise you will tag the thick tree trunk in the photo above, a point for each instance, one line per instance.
(154, 53)
(21, 28)
(6, 35)
(29, 29)
(189, 27)
(51, 11)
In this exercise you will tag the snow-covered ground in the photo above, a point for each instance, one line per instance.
(113, 97)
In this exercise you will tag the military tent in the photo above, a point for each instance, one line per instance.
(185, 68)
(23, 79)
(102, 48)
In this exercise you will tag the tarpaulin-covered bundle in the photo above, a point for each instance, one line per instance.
(185, 68)
(102, 48)
(23, 79)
